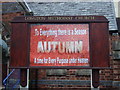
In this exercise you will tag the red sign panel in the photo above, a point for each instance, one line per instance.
(59, 45)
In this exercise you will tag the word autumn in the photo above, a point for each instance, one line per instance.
(61, 47)
(40, 32)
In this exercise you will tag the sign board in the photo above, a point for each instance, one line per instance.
(59, 42)
(59, 45)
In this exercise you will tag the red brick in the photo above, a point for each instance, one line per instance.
(116, 66)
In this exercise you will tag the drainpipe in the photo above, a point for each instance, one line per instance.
(25, 7)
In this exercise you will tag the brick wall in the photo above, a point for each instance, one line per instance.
(69, 80)
(9, 16)
(116, 61)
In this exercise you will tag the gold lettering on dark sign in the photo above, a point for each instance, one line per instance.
(60, 18)
(35, 18)
(85, 18)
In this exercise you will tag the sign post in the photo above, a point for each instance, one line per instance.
(95, 78)
(61, 42)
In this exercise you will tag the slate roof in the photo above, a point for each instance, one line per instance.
(75, 8)
(10, 7)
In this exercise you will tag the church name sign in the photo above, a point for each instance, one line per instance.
(59, 42)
